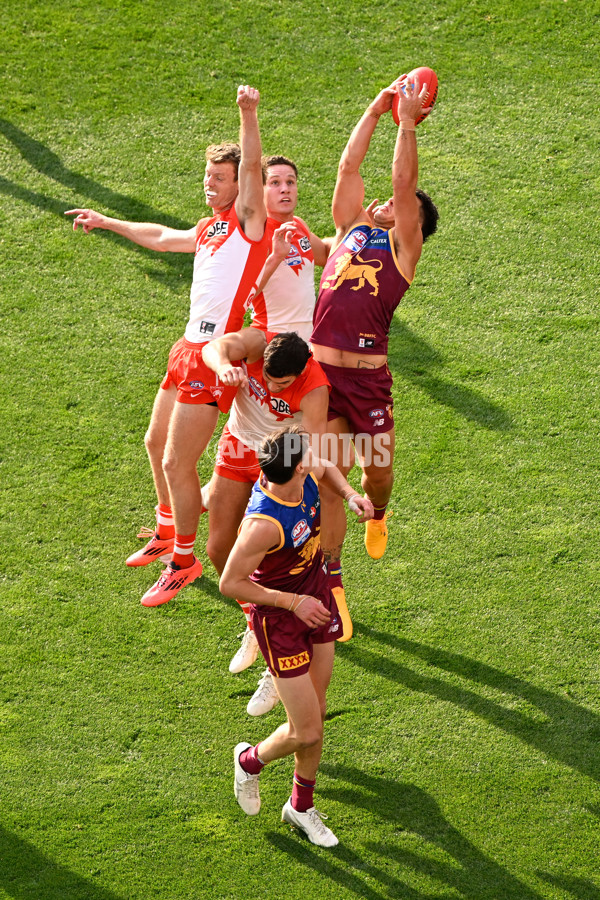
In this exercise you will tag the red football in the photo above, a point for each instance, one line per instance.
(426, 76)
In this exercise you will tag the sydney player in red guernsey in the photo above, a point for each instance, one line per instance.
(278, 383)
(371, 263)
(277, 566)
(230, 249)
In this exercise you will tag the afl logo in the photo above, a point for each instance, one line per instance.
(300, 532)
(256, 388)
(376, 413)
(356, 241)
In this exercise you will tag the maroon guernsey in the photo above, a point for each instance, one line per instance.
(361, 286)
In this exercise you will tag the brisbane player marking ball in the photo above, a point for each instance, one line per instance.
(426, 76)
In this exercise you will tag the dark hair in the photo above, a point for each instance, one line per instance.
(225, 153)
(430, 214)
(281, 451)
(268, 161)
(286, 354)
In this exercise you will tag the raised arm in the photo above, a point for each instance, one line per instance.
(256, 538)
(220, 354)
(405, 172)
(349, 193)
(250, 203)
(146, 234)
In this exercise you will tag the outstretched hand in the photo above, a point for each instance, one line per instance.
(411, 97)
(383, 101)
(86, 218)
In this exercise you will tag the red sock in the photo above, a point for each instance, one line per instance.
(302, 793)
(250, 761)
(334, 570)
(246, 610)
(379, 511)
(165, 528)
(183, 551)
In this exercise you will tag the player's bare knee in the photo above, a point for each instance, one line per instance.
(378, 478)
(173, 470)
(309, 736)
(217, 553)
(155, 446)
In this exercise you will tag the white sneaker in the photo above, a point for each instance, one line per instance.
(245, 786)
(310, 822)
(265, 697)
(247, 653)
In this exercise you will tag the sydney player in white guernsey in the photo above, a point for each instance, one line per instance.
(231, 248)
(285, 298)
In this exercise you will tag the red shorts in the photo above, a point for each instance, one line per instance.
(361, 396)
(235, 460)
(195, 382)
(286, 642)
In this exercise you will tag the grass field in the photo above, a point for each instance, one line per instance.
(462, 755)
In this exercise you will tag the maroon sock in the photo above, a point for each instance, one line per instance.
(379, 511)
(250, 761)
(302, 793)
(334, 570)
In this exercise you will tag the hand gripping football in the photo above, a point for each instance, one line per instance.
(426, 76)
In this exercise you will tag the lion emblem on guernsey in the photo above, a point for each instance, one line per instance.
(361, 270)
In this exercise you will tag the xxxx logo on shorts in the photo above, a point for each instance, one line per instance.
(293, 662)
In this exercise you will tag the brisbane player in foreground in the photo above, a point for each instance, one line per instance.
(231, 248)
(371, 264)
(277, 566)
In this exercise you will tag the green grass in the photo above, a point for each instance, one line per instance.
(462, 746)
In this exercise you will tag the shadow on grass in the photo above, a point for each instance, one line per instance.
(468, 872)
(209, 584)
(579, 888)
(27, 874)
(569, 733)
(412, 358)
(46, 162)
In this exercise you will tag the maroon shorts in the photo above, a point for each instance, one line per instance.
(235, 460)
(286, 642)
(361, 396)
(195, 382)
